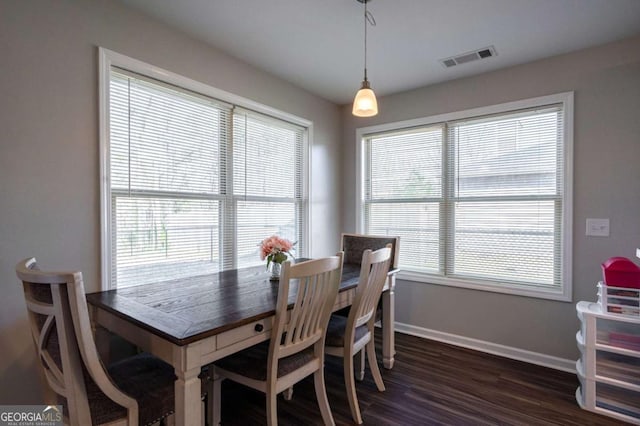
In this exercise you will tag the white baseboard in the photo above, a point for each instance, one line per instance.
(491, 348)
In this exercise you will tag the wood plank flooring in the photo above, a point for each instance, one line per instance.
(431, 383)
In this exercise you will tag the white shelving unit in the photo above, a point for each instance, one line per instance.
(609, 364)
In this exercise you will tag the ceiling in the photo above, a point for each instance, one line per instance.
(318, 45)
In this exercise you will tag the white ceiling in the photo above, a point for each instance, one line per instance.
(318, 45)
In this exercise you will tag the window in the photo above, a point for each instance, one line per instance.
(193, 183)
(480, 199)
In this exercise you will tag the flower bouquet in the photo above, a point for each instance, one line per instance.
(276, 250)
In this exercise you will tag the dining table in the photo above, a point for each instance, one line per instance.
(192, 322)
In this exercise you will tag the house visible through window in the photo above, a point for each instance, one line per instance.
(478, 200)
(194, 184)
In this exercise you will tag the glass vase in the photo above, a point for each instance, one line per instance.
(275, 269)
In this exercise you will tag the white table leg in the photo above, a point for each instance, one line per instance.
(388, 325)
(187, 387)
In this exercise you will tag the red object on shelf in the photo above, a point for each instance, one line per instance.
(624, 340)
(621, 272)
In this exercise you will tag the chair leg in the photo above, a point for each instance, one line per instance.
(373, 365)
(272, 408)
(321, 395)
(214, 390)
(351, 388)
(288, 394)
(359, 365)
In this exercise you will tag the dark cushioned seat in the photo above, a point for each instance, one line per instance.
(154, 404)
(150, 381)
(336, 329)
(144, 377)
(252, 362)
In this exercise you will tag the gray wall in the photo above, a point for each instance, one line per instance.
(49, 162)
(606, 81)
(49, 188)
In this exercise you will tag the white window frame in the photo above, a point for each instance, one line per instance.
(107, 59)
(566, 99)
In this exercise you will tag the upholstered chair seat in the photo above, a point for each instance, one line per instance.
(252, 362)
(338, 327)
(149, 380)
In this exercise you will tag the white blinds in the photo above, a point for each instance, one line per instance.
(506, 203)
(403, 192)
(194, 185)
(478, 199)
(268, 158)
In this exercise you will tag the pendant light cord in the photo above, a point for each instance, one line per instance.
(365, 103)
(368, 17)
(365, 40)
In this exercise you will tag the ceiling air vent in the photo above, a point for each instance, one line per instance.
(485, 52)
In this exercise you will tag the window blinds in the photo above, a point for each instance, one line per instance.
(403, 192)
(195, 184)
(506, 202)
(478, 199)
(267, 182)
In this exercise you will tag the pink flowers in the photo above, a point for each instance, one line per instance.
(275, 249)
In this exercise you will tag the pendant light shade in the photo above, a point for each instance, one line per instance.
(365, 103)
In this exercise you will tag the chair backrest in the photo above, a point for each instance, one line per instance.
(315, 284)
(354, 245)
(373, 274)
(62, 334)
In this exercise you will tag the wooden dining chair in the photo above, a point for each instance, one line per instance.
(296, 347)
(135, 391)
(354, 245)
(348, 336)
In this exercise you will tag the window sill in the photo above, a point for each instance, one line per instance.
(561, 295)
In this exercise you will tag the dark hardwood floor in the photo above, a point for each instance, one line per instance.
(431, 383)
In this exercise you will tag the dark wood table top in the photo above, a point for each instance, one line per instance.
(186, 310)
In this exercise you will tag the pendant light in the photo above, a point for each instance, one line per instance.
(365, 103)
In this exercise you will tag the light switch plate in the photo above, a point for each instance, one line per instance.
(598, 227)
